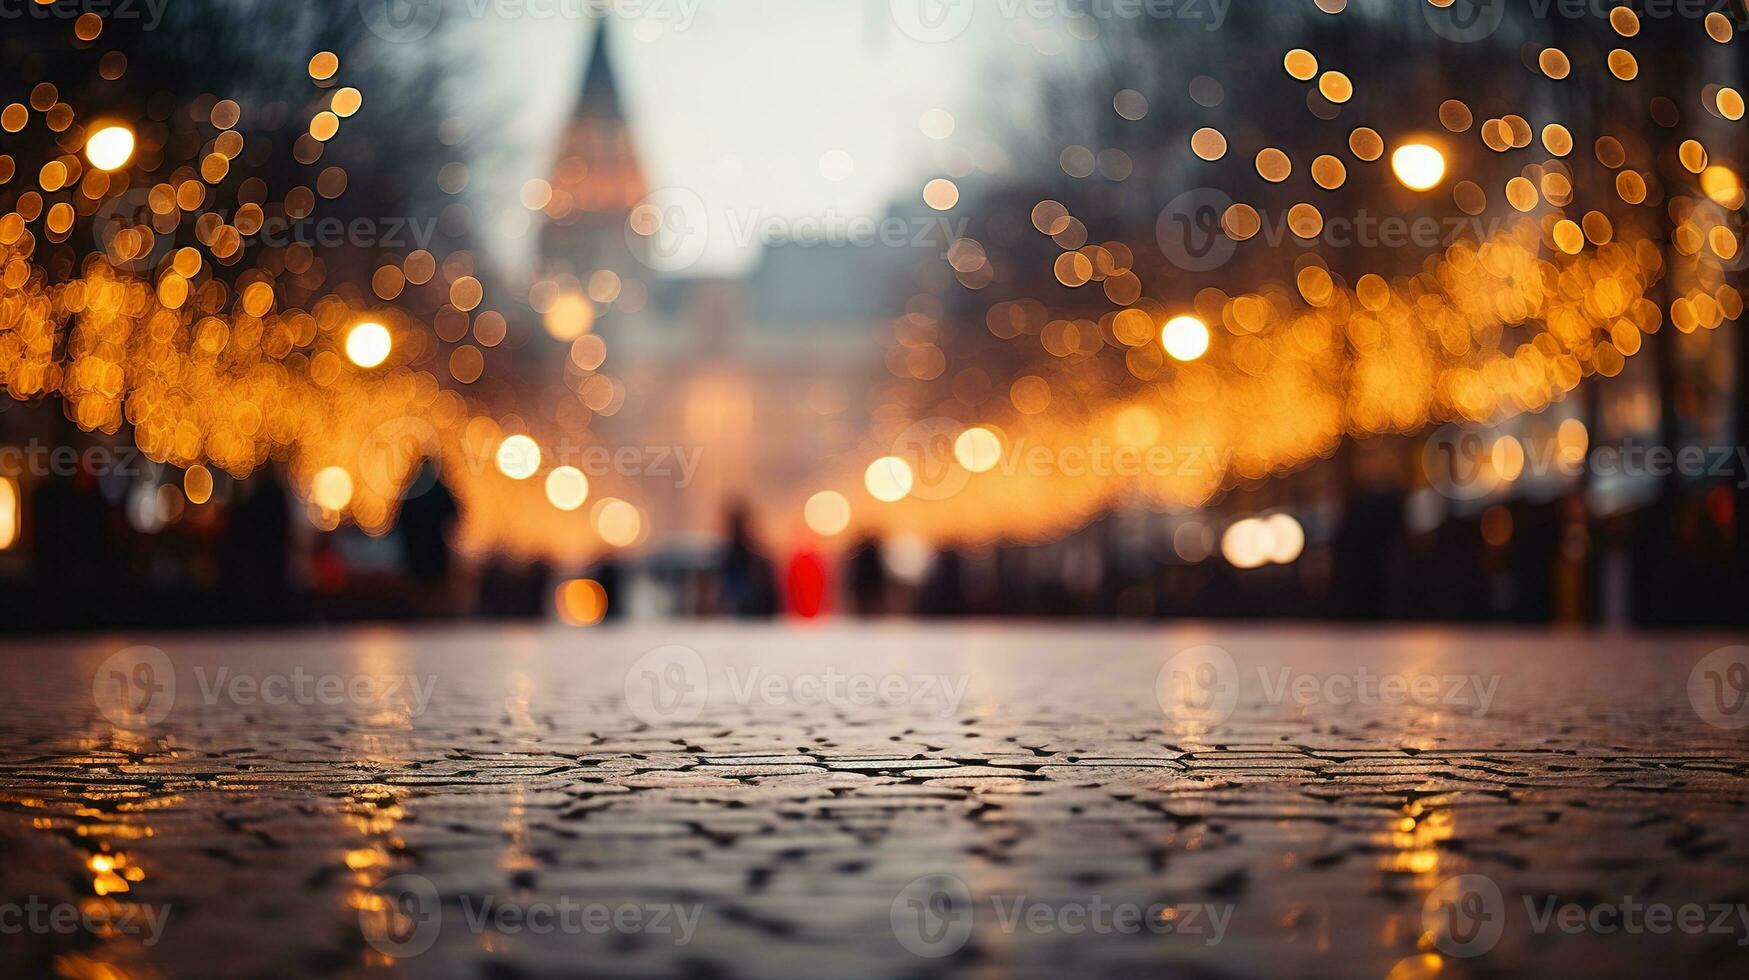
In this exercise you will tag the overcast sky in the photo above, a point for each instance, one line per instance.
(739, 101)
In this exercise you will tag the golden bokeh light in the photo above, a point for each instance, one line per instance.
(1185, 338)
(978, 449)
(110, 148)
(518, 457)
(580, 602)
(1419, 166)
(889, 479)
(369, 344)
(941, 194)
(618, 522)
(197, 484)
(827, 513)
(9, 512)
(567, 488)
(331, 489)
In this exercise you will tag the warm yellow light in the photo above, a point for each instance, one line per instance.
(1287, 538)
(368, 344)
(827, 513)
(889, 479)
(8, 512)
(618, 523)
(1186, 338)
(197, 484)
(1278, 539)
(110, 148)
(1420, 167)
(1245, 544)
(567, 488)
(581, 602)
(518, 457)
(1722, 186)
(571, 316)
(978, 449)
(1507, 458)
(332, 489)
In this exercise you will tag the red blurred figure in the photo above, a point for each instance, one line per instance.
(805, 584)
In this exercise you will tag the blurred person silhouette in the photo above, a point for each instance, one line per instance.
(609, 573)
(512, 589)
(867, 578)
(428, 517)
(943, 592)
(747, 581)
(72, 558)
(255, 552)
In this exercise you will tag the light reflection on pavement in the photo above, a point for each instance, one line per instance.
(870, 802)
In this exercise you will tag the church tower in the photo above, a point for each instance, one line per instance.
(596, 179)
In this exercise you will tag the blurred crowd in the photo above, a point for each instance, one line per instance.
(98, 551)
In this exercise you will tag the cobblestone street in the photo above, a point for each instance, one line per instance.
(883, 802)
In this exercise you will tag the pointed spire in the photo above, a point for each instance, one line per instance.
(600, 94)
(596, 179)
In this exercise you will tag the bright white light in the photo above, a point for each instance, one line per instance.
(518, 457)
(1186, 338)
(110, 148)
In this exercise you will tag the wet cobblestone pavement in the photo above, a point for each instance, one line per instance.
(878, 802)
